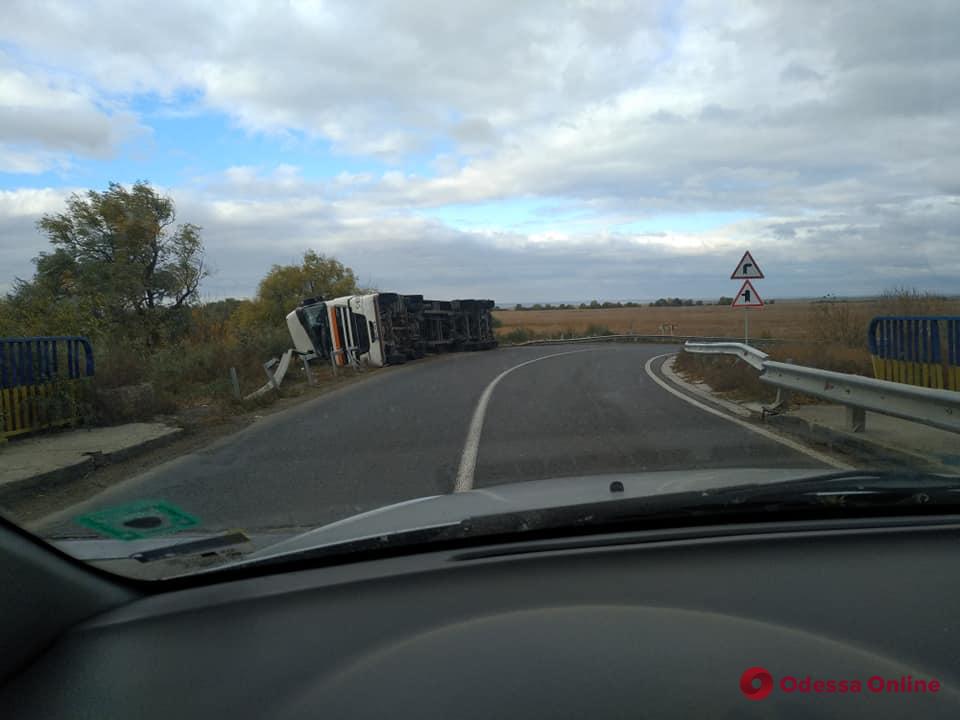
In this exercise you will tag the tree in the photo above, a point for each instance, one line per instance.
(518, 306)
(211, 322)
(724, 300)
(284, 286)
(119, 255)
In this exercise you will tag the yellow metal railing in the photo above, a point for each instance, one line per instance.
(43, 382)
(28, 408)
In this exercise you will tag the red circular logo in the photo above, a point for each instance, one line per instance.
(756, 683)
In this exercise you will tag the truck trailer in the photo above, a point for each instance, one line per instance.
(388, 328)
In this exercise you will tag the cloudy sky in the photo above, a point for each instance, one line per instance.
(525, 151)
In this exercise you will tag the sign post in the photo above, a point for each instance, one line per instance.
(747, 297)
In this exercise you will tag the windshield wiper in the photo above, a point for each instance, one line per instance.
(833, 495)
(847, 494)
(849, 489)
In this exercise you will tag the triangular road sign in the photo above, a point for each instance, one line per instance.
(747, 269)
(747, 297)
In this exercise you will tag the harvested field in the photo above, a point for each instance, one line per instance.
(786, 320)
(782, 320)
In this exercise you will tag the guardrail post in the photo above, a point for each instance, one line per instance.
(856, 419)
(306, 370)
(783, 398)
(235, 383)
(267, 366)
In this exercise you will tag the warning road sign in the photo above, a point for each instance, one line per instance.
(747, 296)
(747, 269)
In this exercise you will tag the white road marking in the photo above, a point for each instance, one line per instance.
(770, 435)
(468, 458)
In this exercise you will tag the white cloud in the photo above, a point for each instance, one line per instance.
(833, 124)
(44, 118)
(19, 211)
(25, 162)
(809, 254)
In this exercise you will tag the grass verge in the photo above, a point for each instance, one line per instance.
(736, 380)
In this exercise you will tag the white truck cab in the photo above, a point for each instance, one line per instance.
(380, 329)
(340, 328)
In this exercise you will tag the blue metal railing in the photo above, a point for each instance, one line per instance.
(38, 387)
(909, 349)
(37, 360)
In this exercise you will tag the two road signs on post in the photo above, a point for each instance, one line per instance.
(747, 297)
(747, 270)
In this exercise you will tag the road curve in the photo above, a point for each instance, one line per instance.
(401, 434)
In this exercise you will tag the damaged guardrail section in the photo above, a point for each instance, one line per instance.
(929, 406)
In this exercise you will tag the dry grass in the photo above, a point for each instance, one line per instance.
(786, 320)
(726, 375)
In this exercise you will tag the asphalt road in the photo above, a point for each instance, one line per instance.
(401, 434)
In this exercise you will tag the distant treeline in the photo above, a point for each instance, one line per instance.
(597, 305)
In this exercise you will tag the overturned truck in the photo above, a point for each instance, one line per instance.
(388, 329)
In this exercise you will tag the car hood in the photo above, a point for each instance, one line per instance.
(440, 510)
(421, 513)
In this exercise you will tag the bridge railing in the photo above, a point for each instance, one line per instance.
(916, 350)
(40, 381)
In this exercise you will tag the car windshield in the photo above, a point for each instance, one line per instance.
(283, 277)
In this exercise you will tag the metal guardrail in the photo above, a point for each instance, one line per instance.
(937, 408)
(743, 351)
(639, 339)
(929, 406)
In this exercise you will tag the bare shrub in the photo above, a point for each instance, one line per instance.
(910, 301)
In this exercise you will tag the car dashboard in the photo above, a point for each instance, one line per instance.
(663, 623)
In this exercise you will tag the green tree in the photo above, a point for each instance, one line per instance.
(284, 286)
(120, 263)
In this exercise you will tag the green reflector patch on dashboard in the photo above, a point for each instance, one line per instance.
(138, 520)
